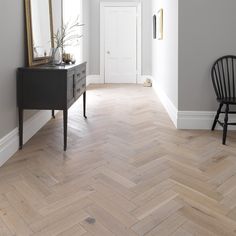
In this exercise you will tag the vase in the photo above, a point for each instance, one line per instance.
(56, 56)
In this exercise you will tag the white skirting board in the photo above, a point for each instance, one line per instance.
(195, 120)
(97, 79)
(201, 120)
(167, 103)
(141, 79)
(9, 144)
(191, 120)
(94, 79)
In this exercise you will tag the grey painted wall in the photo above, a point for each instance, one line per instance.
(206, 32)
(12, 48)
(95, 36)
(165, 52)
(12, 56)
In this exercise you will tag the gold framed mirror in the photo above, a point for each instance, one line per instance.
(39, 27)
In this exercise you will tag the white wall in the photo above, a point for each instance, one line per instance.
(57, 14)
(95, 36)
(72, 10)
(86, 36)
(165, 52)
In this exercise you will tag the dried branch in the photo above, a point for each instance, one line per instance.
(68, 35)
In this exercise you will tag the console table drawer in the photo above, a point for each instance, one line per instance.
(80, 72)
(80, 87)
(70, 86)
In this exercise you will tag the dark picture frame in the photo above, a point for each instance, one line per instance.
(154, 26)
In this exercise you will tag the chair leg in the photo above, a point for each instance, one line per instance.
(217, 117)
(226, 124)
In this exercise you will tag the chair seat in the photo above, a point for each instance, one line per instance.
(227, 100)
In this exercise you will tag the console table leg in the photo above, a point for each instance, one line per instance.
(53, 114)
(65, 120)
(84, 104)
(20, 128)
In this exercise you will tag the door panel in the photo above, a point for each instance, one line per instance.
(120, 44)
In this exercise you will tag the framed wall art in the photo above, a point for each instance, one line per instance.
(160, 24)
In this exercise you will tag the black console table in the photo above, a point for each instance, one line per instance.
(50, 88)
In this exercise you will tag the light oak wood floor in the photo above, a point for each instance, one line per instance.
(127, 171)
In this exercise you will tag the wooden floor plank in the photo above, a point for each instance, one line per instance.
(127, 171)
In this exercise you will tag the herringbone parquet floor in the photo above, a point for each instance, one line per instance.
(127, 171)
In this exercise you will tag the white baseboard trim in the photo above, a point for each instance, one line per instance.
(9, 144)
(167, 103)
(201, 120)
(97, 79)
(190, 120)
(141, 79)
(195, 120)
(94, 79)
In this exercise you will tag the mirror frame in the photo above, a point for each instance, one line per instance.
(40, 60)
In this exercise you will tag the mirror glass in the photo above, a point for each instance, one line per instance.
(41, 28)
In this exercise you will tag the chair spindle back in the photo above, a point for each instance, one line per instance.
(223, 75)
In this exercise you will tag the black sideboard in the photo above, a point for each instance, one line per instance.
(50, 88)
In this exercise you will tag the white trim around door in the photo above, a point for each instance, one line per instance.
(103, 5)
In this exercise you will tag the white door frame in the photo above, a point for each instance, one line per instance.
(103, 5)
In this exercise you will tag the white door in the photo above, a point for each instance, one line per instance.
(120, 45)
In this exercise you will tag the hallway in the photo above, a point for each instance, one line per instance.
(127, 171)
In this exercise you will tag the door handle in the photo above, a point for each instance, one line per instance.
(108, 52)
